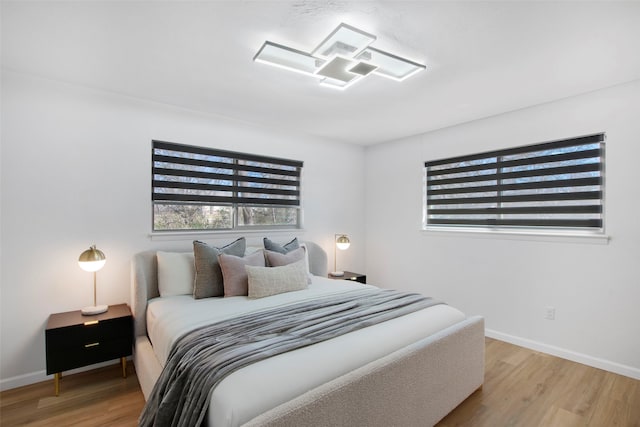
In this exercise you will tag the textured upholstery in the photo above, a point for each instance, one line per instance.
(414, 386)
(144, 286)
(267, 281)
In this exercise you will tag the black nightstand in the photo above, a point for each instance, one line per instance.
(74, 340)
(349, 275)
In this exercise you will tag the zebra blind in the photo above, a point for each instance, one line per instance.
(552, 185)
(199, 175)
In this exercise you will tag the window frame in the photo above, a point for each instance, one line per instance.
(240, 174)
(595, 230)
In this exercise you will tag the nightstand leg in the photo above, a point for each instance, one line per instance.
(56, 382)
(123, 362)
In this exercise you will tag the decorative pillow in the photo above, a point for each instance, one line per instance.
(176, 273)
(270, 245)
(278, 259)
(234, 274)
(306, 260)
(208, 281)
(264, 282)
(275, 259)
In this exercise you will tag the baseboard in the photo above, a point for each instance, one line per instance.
(40, 376)
(22, 380)
(617, 368)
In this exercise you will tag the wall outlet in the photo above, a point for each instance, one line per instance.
(550, 313)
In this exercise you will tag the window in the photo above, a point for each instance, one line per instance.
(197, 188)
(556, 185)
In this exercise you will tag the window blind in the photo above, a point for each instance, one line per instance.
(556, 185)
(200, 175)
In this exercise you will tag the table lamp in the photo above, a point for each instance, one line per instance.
(342, 243)
(93, 260)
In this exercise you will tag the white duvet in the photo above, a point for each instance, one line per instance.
(257, 388)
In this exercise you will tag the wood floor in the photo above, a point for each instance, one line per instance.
(94, 398)
(522, 388)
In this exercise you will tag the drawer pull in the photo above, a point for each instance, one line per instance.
(91, 322)
(93, 344)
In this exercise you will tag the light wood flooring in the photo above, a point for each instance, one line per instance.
(522, 388)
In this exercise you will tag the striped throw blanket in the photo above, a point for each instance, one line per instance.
(202, 358)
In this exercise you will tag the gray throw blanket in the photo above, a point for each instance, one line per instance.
(202, 358)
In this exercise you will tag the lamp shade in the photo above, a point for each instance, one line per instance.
(92, 259)
(343, 242)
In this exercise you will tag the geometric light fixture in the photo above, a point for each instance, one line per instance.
(343, 58)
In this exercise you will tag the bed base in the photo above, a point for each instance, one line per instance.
(416, 385)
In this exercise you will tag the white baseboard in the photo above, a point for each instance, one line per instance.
(22, 380)
(40, 376)
(617, 368)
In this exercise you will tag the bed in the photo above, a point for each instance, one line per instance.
(408, 371)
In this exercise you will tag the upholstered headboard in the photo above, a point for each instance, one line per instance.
(144, 280)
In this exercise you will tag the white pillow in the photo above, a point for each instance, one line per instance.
(306, 260)
(267, 281)
(176, 273)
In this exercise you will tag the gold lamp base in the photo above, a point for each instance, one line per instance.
(94, 309)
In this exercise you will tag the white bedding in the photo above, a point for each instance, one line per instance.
(257, 388)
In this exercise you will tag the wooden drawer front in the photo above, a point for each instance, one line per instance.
(105, 330)
(63, 359)
(80, 345)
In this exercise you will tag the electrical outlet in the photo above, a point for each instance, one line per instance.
(550, 313)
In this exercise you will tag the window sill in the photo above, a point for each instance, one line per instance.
(206, 234)
(536, 236)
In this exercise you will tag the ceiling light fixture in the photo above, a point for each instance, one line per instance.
(343, 58)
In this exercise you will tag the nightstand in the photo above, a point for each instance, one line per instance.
(73, 340)
(349, 275)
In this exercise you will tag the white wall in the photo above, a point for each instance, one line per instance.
(595, 288)
(76, 171)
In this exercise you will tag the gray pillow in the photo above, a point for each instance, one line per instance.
(234, 274)
(208, 281)
(264, 282)
(270, 245)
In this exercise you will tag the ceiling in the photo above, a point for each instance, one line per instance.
(483, 58)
